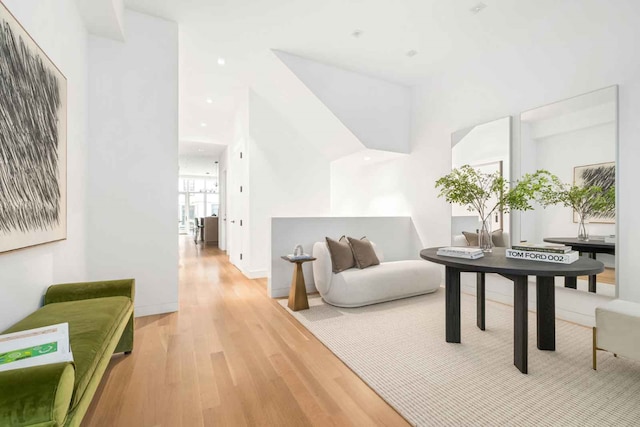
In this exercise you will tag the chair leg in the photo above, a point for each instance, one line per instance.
(595, 351)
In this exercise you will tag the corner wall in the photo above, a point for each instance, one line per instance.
(25, 274)
(133, 161)
(287, 177)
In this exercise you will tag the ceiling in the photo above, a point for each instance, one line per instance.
(197, 148)
(444, 33)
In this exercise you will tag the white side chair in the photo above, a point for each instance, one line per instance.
(617, 330)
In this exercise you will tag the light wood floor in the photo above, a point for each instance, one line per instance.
(230, 357)
(608, 276)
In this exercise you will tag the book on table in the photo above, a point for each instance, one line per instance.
(558, 258)
(35, 347)
(554, 248)
(461, 252)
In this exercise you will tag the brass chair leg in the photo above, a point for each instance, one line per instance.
(595, 355)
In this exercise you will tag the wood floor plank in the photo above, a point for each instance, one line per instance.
(230, 357)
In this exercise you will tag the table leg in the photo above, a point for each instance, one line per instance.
(452, 297)
(593, 278)
(546, 312)
(571, 282)
(298, 292)
(480, 300)
(520, 330)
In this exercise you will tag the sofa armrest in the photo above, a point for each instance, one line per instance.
(88, 290)
(39, 395)
(322, 268)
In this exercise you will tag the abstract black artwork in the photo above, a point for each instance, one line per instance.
(602, 175)
(33, 124)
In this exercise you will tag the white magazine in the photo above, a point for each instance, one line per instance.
(35, 347)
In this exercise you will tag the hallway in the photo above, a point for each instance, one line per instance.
(230, 357)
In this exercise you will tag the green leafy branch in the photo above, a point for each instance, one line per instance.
(588, 202)
(471, 188)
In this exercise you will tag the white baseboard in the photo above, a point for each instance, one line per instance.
(149, 310)
(255, 274)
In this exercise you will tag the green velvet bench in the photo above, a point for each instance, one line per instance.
(100, 317)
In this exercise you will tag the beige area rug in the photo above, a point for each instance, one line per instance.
(399, 349)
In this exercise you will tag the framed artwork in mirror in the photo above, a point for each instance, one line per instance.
(602, 175)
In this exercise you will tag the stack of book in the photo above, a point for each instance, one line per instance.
(461, 252)
(544, 252)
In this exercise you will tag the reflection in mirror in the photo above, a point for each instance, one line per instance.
(486, 147)
(576, 140)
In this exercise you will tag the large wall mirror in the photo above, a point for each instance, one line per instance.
(576, 140)
(486, 147)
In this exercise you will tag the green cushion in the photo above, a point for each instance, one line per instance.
(92, 324)
(39, 395)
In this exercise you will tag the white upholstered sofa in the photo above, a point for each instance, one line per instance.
(379, 283)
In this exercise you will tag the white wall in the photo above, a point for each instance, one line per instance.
(224, 199)
(133, 161)
(198, 165)
(25, 274)
(482, 144)
(104, 18)
(287, 177)
(582, 46)
(296, 103)
(559, 154)
(395, 236)
(376, 111)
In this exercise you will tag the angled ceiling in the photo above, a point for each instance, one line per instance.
(444, 33)
(376, 111)
(103, 17)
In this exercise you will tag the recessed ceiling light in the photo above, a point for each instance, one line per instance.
(221, 61)
(367, 158)
(209, 101)
(478, 8)
(204, 125)
(412, 53)
(357, 33)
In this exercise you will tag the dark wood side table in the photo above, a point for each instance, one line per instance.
(591, 247)
(517, 271)
(298, 292)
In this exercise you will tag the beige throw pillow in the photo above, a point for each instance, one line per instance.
(497, 238)
(472, 238)
(341, 254)
(363, 252)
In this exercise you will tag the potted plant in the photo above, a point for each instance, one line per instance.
(487, 193)
(587, 202)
